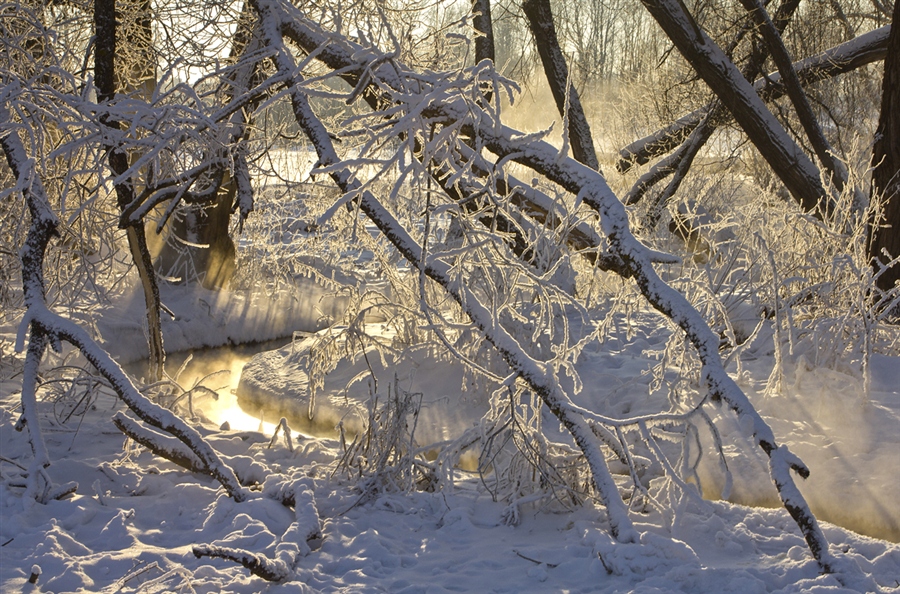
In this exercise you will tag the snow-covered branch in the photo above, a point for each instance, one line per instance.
(273, 570)
(590, 187)
(535, 373)
(48, 327)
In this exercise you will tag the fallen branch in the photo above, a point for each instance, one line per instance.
(160, 445)
(537, 374)
(259, 565)
(294, 543)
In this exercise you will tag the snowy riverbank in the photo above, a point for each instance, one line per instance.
(131, 525)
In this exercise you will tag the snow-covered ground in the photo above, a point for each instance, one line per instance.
(134, 519)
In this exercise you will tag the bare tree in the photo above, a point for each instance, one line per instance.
(846, 57)
(568, 103)
(585, 427)
(885, 240)
(785, 157)
(439, 149)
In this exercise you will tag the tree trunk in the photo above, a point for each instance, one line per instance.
(484, 43)
(782, 59)
(796, 171)
(105, 75)
(886, 160)
(540, 20)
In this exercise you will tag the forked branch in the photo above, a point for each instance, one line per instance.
(590, 186)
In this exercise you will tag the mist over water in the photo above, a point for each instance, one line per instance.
(209, 363)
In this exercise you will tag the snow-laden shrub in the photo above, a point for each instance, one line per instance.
(385, 456)
(757, 267)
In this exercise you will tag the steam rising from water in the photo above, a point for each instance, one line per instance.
(203, 364)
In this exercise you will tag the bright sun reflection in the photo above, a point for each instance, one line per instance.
(226, 408)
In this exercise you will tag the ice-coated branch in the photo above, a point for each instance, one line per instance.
(259, 565)
(41, 460)
(579, 180)
(147, 411)
(544, 210)
(582, 181)
(42, 230)
(305, 527)
(846, 57)
(352, 62)
(48, 326)
(282, 426)
(538, 375)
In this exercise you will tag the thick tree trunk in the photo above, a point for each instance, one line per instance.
(568, 103)
(201, 237)
(886, 159)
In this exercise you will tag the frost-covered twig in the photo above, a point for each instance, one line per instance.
(282, 426)
(536, 374)
(47, 326)
(351, 65)
(272, 570)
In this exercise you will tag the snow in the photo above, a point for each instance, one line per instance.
(209, 318)
(138, 523)
(133, 523)
(146, 513)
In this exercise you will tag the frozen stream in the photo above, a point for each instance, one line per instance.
(850, 443)
(210, 360)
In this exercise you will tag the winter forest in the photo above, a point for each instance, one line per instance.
(450, 296)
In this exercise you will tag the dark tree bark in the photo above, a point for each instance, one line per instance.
(540, 21)
(680, 163)
(782, 59)
(840, 59)
(886, 159)
(484, 43)
(105, 79)
(787, 160)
